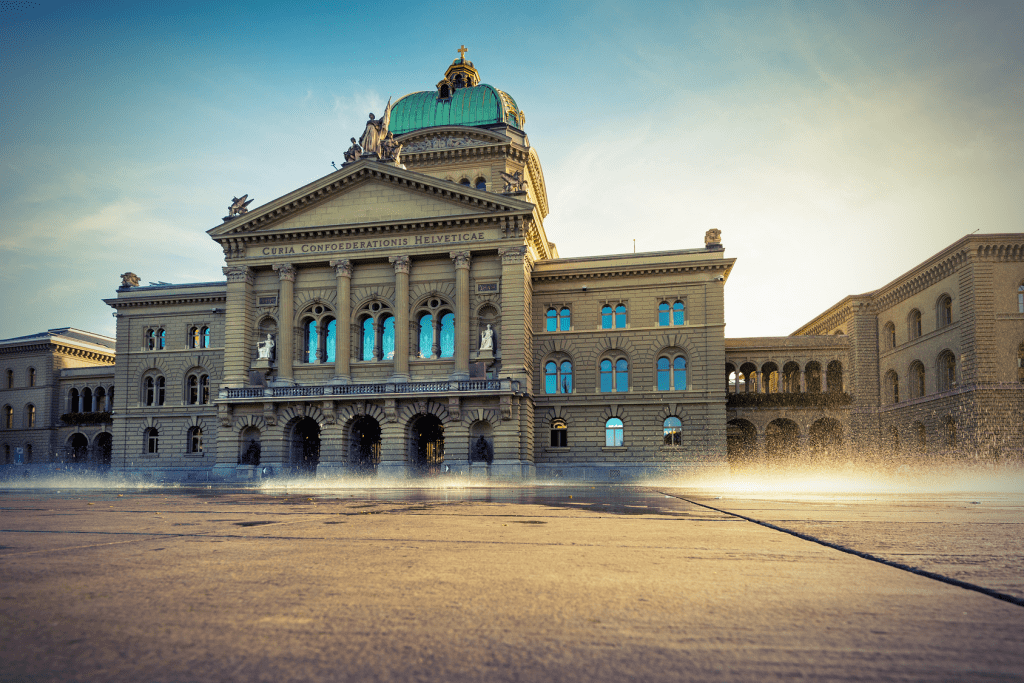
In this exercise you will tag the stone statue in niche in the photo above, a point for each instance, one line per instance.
(353, 152)
(129, 280)
(482, 451)
(487, 339)
(265, 349)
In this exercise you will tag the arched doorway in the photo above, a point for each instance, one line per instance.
(305, 446)
(780, 440)
(427, 445)
(104, 449)
(252, 447)
(826, 436)
(364, 445)
(481, 442)
(79, 449)
(741, 441)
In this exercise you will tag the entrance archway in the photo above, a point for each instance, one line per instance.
(104, 449)
(79, 449)
(364, 445)
(305, 446)
(427, 445)
(780, 439)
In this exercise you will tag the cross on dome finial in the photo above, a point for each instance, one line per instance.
(462, 52)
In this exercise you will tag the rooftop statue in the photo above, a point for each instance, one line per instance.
(129, 280)
(376, 131)
(712, 236)
(391, 149)
(239, 205)
(514, 182)
(353, 152)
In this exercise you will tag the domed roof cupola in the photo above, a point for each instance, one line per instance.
(461, 74)
(459, 100)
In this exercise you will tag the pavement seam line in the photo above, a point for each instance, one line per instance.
(1012, 599)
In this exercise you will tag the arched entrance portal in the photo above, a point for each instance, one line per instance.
(364, 445)
(427, 445)
(305, 447)
(780, 440)
(104, 448)
(79, 449)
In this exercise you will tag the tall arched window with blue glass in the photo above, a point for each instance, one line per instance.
(319, 329)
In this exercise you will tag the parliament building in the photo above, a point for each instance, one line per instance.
(408, 315)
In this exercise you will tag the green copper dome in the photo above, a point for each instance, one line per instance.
(479, 105)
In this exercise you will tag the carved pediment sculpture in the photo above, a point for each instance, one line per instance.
(443, 142)
(129, 280)
(514, 182)
(390, 149)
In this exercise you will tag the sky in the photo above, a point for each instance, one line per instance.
(835, 144)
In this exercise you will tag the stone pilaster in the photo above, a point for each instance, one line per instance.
(863, 374)
(238, 324)
(343, 326)
(516, 323)
(286, 312)
(461, 259)
(401, 263)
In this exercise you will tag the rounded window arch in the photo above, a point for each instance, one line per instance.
(319, 332)
(464, 181)
(8, 417)
(946, 366)
(197, 387)
(559, 433)
(194, 441)
(30, 416)
(87, 406)
(889, 335)
(944, 311)
(376, 331)
(481, 183)
(614, 373)
(10, 378)
(914, 324)
(671, 371)
(671, 313)
(99, 397)
(558, 375)
(892, 387)
(917, 378)
(31, 377)
(153, 389)
(1020, 298)
(151, 440)
(672, 431)
(614, 433)
(74, 405)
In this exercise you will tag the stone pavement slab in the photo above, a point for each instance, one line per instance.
(506, 585)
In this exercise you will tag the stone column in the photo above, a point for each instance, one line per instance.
(343, 325)
(401, 372)
(461, 259)
(286, 328)
(238, 323)
(803, 381)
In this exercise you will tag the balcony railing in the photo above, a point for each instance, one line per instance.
(375, 389)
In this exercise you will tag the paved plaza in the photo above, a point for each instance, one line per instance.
(535, 583)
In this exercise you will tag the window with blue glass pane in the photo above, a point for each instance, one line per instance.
(679, 313)
(679, 373)
(564, 320)
(566, 378)
(426, 336)
(663, 314)
(447, 336)
(672, 429)
(206, 338)
(613, 433)
(369, 335)
(664, 374)
(550, 378)
(620, 316)
(331, 340)
(621, 375)
(607, 318)
(552, 323)
(311, 341)
(387, 338)
(606, 376)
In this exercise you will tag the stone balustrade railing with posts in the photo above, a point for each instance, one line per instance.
(470, 386)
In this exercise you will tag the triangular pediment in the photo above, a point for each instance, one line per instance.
(370, 192)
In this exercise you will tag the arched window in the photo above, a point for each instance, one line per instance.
(161, 339)
(311, 348)
(204, 339)
(194, 338)
(387, 337)
(558, 377)
(73, 405)
(446, 338)
(154, 391)
(1020, 298)
(889, 336)
(613, 433)
(30, 416)
(607, 317)
(331, 340)
(949, 431)
(195, 440)
(318, 334)
(481, 184)
(551, 321)
(947, 371)
(672, 431)
(614, 375)
(916, 379)
(915, 323)
(944, 311)
(679, 313)
(672, 373)
(151, 340)
(564, 319)
(369, 337)
(664, 314)
(198, 389)
(99, 397)
(31, 377)
(87, 400)
(464, 181)
(559, 434)
(8, 417)
(892, 386)
(10, 379)
(152, 441)
(620, 316)
(834, 377)
(427, 335)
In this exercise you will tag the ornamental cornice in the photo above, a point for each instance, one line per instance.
(85, 354)
(162, 301)
(635, 270)
(821, 326)
(895, 294)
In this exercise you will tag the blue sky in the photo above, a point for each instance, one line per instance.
(835, 144)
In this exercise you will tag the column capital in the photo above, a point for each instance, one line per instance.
(401, 263)
(461, 258)
(238, 274)
(513, 254)
(285, 271)
(342, 267)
